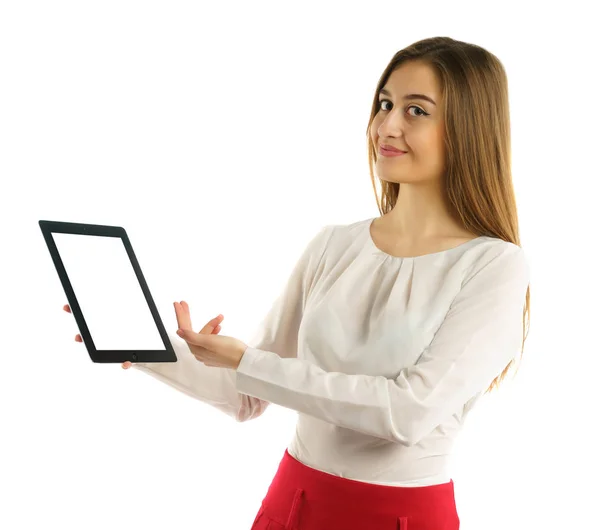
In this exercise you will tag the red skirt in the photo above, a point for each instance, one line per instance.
(303, 498)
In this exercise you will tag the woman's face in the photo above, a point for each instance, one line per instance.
(413, 125)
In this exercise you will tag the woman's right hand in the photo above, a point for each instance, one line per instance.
(212, 327)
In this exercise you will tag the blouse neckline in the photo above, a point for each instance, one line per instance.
(377, 250)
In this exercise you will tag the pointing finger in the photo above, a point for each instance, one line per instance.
(182, 312)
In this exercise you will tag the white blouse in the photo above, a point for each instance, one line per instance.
(381, 356)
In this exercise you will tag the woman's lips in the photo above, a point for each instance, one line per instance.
(388, 152)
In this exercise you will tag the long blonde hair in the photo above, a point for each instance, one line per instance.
(478, 179)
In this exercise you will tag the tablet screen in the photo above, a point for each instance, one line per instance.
(108, 292)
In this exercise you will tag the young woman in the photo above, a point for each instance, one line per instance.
(389, 329)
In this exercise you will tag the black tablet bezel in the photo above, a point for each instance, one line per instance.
(105, 356)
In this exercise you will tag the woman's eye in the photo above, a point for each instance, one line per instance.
(422, 112)
(382, 101)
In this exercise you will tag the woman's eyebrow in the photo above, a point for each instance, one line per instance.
(410, 96)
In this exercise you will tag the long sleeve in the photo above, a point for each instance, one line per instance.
(209, 384)
(278, 332)
(480, 334)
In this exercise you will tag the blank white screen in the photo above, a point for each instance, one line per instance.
(108, 292)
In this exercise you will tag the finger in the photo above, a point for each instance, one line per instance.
(211, 325)
(67, 308)
(78, 338)
(187, 314)
(216, 330)
(126, 365)
(182, 312)
(184, 319)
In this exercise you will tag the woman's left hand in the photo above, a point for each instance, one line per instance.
(212, 350)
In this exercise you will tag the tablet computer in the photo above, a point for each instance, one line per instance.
(109, 297)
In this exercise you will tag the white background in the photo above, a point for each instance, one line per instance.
(223, 136)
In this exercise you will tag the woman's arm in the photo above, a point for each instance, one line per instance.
(277, 333)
